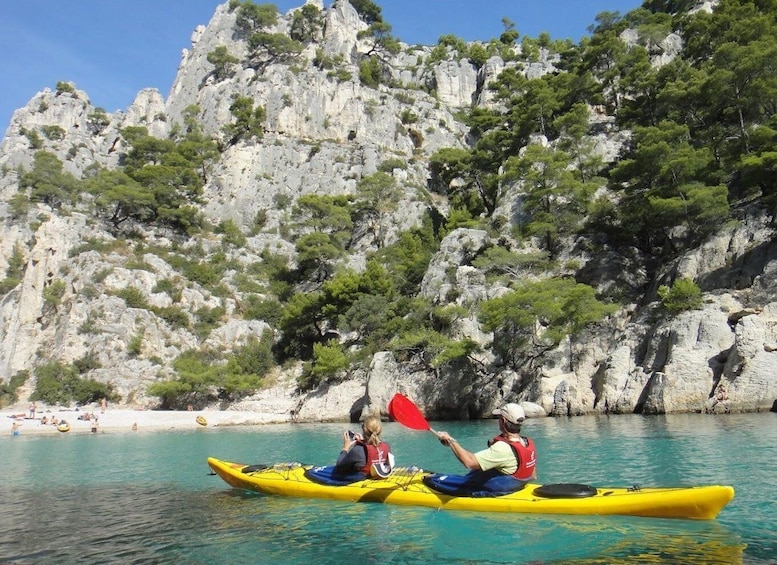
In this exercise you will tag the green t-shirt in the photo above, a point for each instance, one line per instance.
(499, 456)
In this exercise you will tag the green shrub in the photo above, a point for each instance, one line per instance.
(340, 74)
(173, 315)
(389, 165)
(97, 120)
(32, 136)
(683, 295)
(202, 273)
(133, 297)
(369, 72)
(86, 363)
(15, 270)
(254, 359)
(207, 319)
(245, 283)
(65, 87)
(169, 391)
(270, 311)
(259, 221)
(200, 371)
(407, 116)
(8, 391)
(53, 133)
(281, 201)
(53, 293)
(135, 345)
(168, 286)
(231, 233)
(60, 384)
(8, 284)
(19, 205)
(223, 62)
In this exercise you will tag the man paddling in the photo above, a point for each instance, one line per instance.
(507, 455)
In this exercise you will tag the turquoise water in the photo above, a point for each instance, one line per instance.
(148, 497)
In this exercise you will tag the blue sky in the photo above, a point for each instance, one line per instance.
(111, 49)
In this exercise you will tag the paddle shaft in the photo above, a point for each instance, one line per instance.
(437, 435)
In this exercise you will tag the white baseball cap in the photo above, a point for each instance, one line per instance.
(511, 412)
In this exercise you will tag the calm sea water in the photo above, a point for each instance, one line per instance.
(148, 497)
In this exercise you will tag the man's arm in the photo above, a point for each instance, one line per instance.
(467, 458)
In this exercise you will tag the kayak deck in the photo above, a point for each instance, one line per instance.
(405, 486)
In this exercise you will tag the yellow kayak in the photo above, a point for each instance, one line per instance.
(405, 486)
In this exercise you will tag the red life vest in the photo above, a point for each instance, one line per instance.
(375, 454)
(525, 455)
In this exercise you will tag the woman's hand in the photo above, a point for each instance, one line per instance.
(349, 439)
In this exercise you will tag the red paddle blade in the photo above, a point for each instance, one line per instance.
(406, 413)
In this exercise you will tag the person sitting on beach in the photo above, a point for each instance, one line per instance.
(365, 455)
(44, 421)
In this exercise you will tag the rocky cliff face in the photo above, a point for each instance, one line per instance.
(321, 136)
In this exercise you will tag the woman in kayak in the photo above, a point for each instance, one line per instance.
(365, 454)
(508, 462)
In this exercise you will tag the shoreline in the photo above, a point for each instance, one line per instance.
(121, 419)
(127, 420)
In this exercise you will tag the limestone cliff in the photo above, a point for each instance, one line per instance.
(325, 131)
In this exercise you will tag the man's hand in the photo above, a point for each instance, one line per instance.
(445, 438)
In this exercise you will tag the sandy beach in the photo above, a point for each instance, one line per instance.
(126, 420)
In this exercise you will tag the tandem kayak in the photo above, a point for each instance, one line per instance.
(405, 486)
